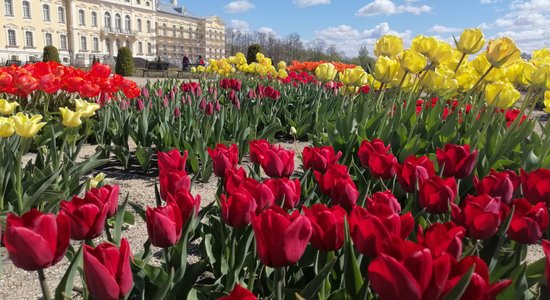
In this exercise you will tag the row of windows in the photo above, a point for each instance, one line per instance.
(46, 13)
(29, 39)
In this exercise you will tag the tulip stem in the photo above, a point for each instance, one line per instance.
(460, 62)
(279, 283)
(482, 77)
(44, 285)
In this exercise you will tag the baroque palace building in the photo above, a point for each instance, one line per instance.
(84, 29)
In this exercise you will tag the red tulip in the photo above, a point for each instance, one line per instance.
(278, 162)
(338, 185)
(164, 225)
(101, 70)
(107, 270)
(528, 222)
(367, 148)
(536, 186)
(546, 250)
(456, 161)
(498, 184)
(374, 156)
(443, 238)
(480, 215)
(239, 293)
(173, 182)
(319, 158)
(258, 148)
(171, 161)
(370, 230)
(436, 194)
(187, 204)
(108, 195)
(281, 239)
(223, 158)
(35, 240)
(87, 216)
(414, 171)
(234, 178)
(286, 191)
(272, 93)
(328, 226)
(479, 287)
(264, 195)
(386, 198)
(237, 208)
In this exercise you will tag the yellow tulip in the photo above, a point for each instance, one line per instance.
(502, 52)
(385, 69)
(471, 41)
(412, 61)
(201, 69)
(281, 65)
(354, 77)
(403, 80)
(425, 45)
(260, 57)
(70, 118)
(94, 182)
(442, 53)
(7, 108)
(520, 73)
(466, 79)
(481, 65)
(501, 94)
(325, 72)
(547, 101)
(541, 76)
(193, 70)
(541, 53)
(6, 127)
(282, 74)
(373, 83)
(388, 45)
(27, 127)
(86, 109)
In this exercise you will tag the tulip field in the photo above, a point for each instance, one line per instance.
(427, 177)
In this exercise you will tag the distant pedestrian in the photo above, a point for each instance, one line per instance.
(200, 61)
(185, 63)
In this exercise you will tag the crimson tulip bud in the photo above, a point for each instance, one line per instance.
(374, 156)
(443, 238)
(319, 158)
(87, 216)
(258, 148)
(108, 195)
(338, 185)
(480, 215)
(35, 240)
(528, 222)
(164, 225)
(499, 184)
(171, 161)
(107, 270)
(173, 182)
(281, 239)
(328, 226)
(187, 204)
(456, 161)
(234, 178)
(239, 293)
(386, 199)
(286, 190)
(209, 109)
(414, 171)
(237, 208)
(536, 186)
(223, 158)
(436, 194)
(262, 193)
(278, 162)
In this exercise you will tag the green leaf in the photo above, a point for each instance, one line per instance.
(315, 284)
(459, 289)
(65, 287)
(120, 220)
(352, 275)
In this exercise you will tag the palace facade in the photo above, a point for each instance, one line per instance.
(84, 29)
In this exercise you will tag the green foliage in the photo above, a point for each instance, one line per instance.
(252, 51)
(124, 62)
(50, 54)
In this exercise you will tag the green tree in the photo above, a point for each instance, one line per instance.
(124, 62)
(252, 51)
(50, 54)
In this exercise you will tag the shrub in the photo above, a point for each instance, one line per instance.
(252, 51)
(124, 62)
(50, 54)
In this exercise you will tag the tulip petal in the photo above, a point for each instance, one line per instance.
(390, 280)
(99, 278)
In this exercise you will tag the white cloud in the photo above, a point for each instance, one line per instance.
(240, 25)
(349, 39)
(306, 3)
(443, 29)
(387, 7)
(267, 30)
(238, 6)
(489, 1)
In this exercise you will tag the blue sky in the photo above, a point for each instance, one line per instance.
(349, 24)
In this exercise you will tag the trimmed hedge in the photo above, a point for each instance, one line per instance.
(124, 62)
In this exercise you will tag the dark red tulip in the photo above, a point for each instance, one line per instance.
(35, 240)
(414, 171)
(209, 110)
(536, 186)
(376, 157)
(386, 198)
(443, 238)
(319, 158)
(286, 191)
(328, 226)
(223, 158)
(108, 195)
(367, 148)
(437, 194)
(187, 204)
(239, 293)
(370, 230)
(262, 193)
(87, 216)
(171, 161)
(278, 162)
(258, 148)
(281, 238)
(546, 250)
(237, 208)
(480, 215)
(499, 184)
(528, 222)
(107, 270)
(174, 182)
(456, 161)
(338, 185)
(234, 177)
(164, 225)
